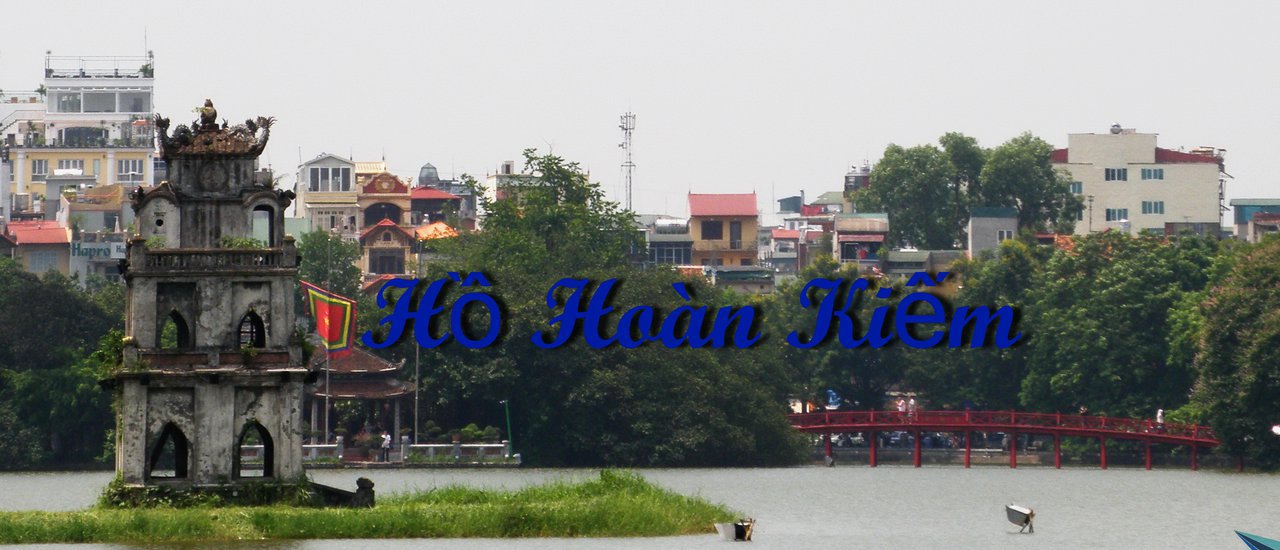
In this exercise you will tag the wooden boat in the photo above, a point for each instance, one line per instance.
(1019, 515)
(739, 531)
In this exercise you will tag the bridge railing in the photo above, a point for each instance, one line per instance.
(979, 420)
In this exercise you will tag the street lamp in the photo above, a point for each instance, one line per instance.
(506, 407)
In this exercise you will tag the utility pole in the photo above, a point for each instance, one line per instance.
(628, 125)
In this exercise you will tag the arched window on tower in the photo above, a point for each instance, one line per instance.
(170, 456)
(253, 332)
(255, 447)
(175, 333)
(263, 221)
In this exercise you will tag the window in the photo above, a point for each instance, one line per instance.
(1003, 235)
(1077, 187)
(712, 230)
(1153, 173)
(1117, 214)
(746, 261)
(129, 171)
(1117, 174)
(39, 169)
(1153, 207)
(330, 179)
(40, 261)
(71, 164)
(253, 332)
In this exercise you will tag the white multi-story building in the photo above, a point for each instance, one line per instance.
(91, 117)
(327, 194)
(1129, 184)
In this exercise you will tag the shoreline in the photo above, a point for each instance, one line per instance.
(612, 504)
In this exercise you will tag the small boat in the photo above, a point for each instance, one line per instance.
(1254, 542)
(739, 531)
(1019, 515)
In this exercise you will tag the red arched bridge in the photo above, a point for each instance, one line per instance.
(1012, 423)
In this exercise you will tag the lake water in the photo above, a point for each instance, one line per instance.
(845, 507)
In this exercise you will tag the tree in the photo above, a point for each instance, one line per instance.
(914, 187)
(577, 405)
(1238, 353)
(47, 384)
(330, 261)
(966, 159)
(988, 377)
(1099, 324)
(1019, 174)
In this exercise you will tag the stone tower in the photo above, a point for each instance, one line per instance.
(210, 258)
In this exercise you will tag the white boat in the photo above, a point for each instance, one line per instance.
(739, 531)
(1020, 516)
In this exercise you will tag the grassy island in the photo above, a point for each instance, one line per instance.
(616, 504)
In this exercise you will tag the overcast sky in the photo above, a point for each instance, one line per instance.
(728, 96)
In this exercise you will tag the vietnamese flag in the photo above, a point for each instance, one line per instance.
(335, 318)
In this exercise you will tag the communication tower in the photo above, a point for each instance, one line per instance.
(628, 125)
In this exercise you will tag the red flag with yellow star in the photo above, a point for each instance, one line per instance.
(335, 318)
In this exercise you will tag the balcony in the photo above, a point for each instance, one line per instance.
(725, 245)
(216, 260)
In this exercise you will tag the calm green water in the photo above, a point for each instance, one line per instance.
(849, 506)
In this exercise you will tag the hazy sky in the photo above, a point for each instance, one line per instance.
(728, 96)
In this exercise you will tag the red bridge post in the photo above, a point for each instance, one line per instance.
(968, 446)
(1057, 451)
(1013, 449)
(875, 442)
(916, 458)
(1103, 442)
(1147, 444)
(1194, 464)
(826, 441)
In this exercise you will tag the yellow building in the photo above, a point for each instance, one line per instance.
(724, 228)
(106, 165)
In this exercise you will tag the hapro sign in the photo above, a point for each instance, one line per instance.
(98, 251)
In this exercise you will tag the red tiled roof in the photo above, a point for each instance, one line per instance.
(813, 236)
(38, 232)
(786, 234)
(437, 230)
(376, 282)
(358, 361)
(362, 389)
(1163, 156)
(727, 204)
(1167, 156)
(431, 193)
(384, 223)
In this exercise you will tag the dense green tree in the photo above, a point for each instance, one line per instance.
(1019, 174)
(576, 405)
(914, 187)
(967, 158)
(988, 377)
(48, 383)
(1238, 353)
(1100, 313)
(330, 261)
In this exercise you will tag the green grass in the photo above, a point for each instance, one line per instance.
(616, 504)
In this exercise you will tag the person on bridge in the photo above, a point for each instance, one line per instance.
(911, 407)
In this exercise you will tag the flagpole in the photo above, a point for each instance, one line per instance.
(328, 267)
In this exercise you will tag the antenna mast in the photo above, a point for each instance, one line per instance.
(628, 125)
